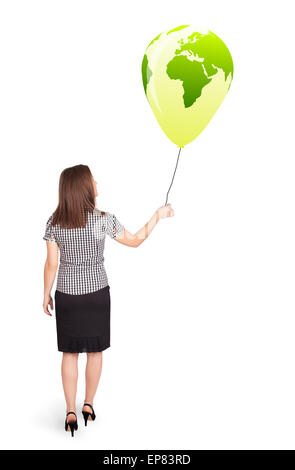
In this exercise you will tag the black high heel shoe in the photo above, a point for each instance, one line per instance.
(72, 424)
(87, 415)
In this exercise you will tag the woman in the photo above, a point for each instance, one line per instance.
(82, 295)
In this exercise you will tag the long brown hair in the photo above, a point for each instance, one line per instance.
(76, 197)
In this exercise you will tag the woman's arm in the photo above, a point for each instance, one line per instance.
(50, 268)
(134, 240)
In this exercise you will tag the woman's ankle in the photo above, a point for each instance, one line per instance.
(88, 400)
(71, 409)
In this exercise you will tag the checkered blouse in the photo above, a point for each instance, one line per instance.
(81, 268)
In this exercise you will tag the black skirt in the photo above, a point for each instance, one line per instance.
(83, 321)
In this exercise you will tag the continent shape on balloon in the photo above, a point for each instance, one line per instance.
(186, 75)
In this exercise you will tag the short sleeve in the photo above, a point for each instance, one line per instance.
(49, 232)
(114, 226)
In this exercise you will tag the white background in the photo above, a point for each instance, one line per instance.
(202, 347)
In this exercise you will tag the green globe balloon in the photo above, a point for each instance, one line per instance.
(186, 75)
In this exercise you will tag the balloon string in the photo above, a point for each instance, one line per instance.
(173, 175)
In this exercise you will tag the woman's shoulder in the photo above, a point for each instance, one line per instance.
(49, 219)
(100, 212)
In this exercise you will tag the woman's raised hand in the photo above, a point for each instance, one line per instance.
(165, 211)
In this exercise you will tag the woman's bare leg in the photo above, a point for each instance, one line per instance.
(92, 375)
(69, 371)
